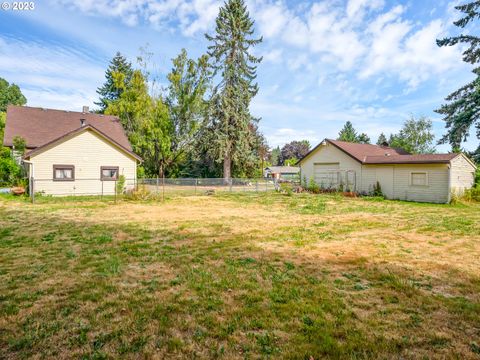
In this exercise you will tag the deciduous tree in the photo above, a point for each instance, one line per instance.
(189, 81)
(416, 136)
(294, 150)
(10, 94)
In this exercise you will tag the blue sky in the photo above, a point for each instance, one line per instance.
(373, 62)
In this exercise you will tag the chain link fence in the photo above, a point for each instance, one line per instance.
(156, 187)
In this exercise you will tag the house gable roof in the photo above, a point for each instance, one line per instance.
(74, 133)
(40, 126)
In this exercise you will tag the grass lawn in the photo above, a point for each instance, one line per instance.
(239, 276)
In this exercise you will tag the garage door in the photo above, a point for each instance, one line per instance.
(327, 174)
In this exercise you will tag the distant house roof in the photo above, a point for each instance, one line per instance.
(376, 154)
(40, 126)
(283, 169)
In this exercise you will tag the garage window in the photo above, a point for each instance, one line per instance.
(109, 172)
(418, 179)
(63, 172)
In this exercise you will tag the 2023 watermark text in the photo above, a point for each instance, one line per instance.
(18, 5)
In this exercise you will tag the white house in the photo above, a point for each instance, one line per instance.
(282, 172)
(72, 153)
(402, 176)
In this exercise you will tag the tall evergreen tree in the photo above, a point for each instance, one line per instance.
(463, 108)
(110, 91)
(348, 133)
(382, 139)
(230, 123)
(275, 156)
(363, 138)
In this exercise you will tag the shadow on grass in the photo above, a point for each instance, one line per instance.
(89, 290)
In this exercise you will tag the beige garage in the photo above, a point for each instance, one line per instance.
(402, 176)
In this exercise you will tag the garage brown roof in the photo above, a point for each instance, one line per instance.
(375, 154)
(40, 126)
(361, 151)
(411, 159)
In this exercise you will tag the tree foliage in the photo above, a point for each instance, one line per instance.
(462, 110)
(348, 133)
(363, 138)
(230, 130)
(416, 136)
(111, 90)
(189, 81)
(274, 157)
(10, 170)
(145, 120)
(382, 139)
(10, 94)
(294, 150)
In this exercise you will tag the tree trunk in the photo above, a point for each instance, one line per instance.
(161, 173)
(227, 165)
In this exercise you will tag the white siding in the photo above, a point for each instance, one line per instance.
(87, 151)
(435, 191)
(329, 154)
(462, 174)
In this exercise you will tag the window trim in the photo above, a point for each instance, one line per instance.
(102, 178)
(66, 167)
(419, 172)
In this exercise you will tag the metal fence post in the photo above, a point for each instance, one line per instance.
(157, 185)
(115, 191)
(32, 189)
(163, 188)
(102, 188)
(256, 186)
(196, 184)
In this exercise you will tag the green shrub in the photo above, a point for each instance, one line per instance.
(286, 188)
(10, 171)
(120, 184)
(472, 194)
(313, 187)
(377, 190)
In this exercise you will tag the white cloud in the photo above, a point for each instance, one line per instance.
(357, 8)
(50, 75)
(279, 137)
(192, 15)
(273, 56)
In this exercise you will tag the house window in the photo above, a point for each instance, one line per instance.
(418, 179)
(63, 172)
(109, 173)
